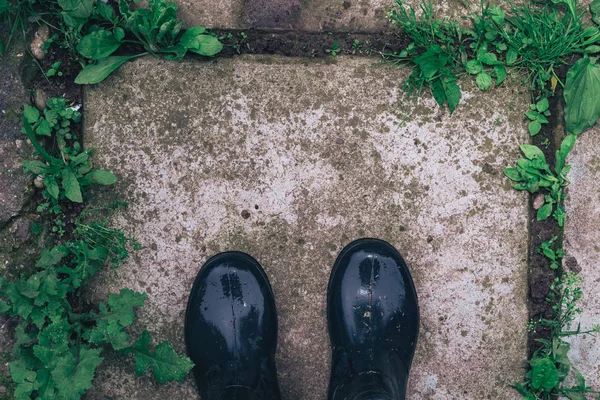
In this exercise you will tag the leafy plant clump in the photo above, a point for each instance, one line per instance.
(533, 174)
(156, 29)
(59, 338)
(550, 365)
(537, 115)
(102, 37)
(534, 41)
(66, 176)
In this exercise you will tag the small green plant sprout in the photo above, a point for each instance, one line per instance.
(334, 50)
(56, 119)
(243, 35)
(533, 174)
(537, 116)
(477, 66)
(55, 70)
(356, 46)
(553, 255)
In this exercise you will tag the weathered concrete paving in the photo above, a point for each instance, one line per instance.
(305, 15)
(581, 242)
(290, 160)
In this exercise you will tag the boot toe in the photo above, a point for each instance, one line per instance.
(231, 322)
(372, 302)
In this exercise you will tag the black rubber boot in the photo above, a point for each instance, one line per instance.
(373, 318)
(231, 330)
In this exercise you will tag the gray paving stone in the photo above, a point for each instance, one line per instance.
(14, 183)
(306, 15)
(581, 242)
(290, 160)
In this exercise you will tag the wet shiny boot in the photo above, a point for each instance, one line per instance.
(373, 318)
(231, 330)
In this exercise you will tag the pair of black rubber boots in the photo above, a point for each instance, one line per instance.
(373, 318)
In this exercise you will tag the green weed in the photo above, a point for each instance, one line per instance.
(550, 365)
(533, 174)
(334, 50)
(537, 115)
(59, 339)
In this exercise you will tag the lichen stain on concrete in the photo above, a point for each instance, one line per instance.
(291, 161)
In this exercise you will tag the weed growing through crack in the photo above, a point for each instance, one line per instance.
(533, 174)
(334, 50)
(550, 365)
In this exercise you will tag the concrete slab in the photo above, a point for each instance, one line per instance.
(581, 244)
(305, 15)
(290, 160)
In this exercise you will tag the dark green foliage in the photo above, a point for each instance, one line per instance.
(537, 115)
(59, 340)
(533, 174)
(550, 365)
(156, 29)
(582, 108)
(69, 174)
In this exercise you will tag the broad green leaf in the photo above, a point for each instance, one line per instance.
(489, 59)
(98, 44)
(77, 8)
(512, 174)
(542, 105)
(534, 128)
(592, 49)
(511, 56)
(96, 73)
(74, 378)
(118, 315)
(188, 39)
(166, 364)
(532, 152)
(50, 258)
(51, 187)
(582, 96)
(99, 177)
(119, 33)
(71, 186)
(544, 374)
(31, 114)
(105, 10)
(532, 115)
(544, 212)
(34, 166)
(474, 67)
(453, 94)
(500, 71)
(484, 80)
(437, 89)
(44, 128)
(595, 10)
(25, 379)
(3, 6)
(561, 155)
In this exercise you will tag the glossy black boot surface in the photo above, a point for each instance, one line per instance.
(373, 318)
(231, 330)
